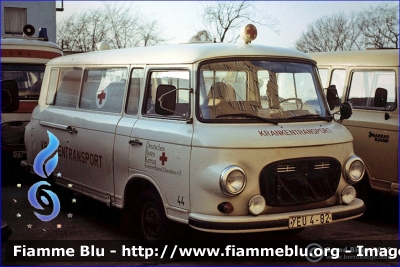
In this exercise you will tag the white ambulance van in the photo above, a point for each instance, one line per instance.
(226, 138)
(23, 59)
(369, 80)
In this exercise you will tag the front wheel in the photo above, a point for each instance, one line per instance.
(154, 222)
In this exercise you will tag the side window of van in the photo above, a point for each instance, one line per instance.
(103, 89)
(135, 85)
(364, 84)
(323, 74)
(178, 79)
(51, 90)
(339, 79)
(68, 87)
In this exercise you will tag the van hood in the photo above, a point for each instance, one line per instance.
(282, 135)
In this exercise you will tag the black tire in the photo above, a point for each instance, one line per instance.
(366, 194)
(153, 221)
(130, 222)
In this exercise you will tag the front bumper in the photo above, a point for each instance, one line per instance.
(270, 222)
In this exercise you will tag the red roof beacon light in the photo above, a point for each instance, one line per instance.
(248, 33)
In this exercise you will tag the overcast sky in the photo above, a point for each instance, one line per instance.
(180, 19)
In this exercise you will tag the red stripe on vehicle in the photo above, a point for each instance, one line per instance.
(26, 106)
(29, 53)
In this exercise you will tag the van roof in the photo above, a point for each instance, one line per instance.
(365, 58)
(177, 54)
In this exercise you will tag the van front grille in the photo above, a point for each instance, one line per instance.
(300, 181)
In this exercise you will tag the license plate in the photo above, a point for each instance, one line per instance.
(310, 220)
(18, 154)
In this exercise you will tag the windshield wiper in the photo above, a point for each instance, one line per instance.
(248, 115)
(313, 116)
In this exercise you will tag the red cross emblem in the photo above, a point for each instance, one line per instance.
(251, 31)
(163, 158)
(101, 98)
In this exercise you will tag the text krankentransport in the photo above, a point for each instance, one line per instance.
(313, 252)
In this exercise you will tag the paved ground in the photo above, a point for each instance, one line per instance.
(86, 219)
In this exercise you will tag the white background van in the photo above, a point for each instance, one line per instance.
(357, 76)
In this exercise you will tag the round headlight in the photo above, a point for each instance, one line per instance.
(348, 194)
(232, 180)
(355, 169)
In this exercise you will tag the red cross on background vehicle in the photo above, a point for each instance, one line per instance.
(101, 98)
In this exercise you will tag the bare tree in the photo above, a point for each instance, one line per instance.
(380, 26)
(80, 32)
(114, 23)
(151, 34)
(377, 27)
(223, 19)
(337, 32)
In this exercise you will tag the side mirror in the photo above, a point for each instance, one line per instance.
(332, 96)
(165, 99)
(380, 99)
(9, 96)
(345, 110)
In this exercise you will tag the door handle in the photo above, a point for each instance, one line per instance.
(71, 130)
(135, 142)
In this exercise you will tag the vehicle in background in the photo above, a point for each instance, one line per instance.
(369, 80)
(23, 59)
(5, 231)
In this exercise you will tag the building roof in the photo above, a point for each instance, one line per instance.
(20, 42)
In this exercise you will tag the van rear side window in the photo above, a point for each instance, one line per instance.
(104, 89)
(68, 87)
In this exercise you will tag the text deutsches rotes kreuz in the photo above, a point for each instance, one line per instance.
(156, 159)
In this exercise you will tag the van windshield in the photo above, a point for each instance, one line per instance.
(260, 90)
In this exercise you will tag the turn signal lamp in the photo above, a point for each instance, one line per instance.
(225, 207)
